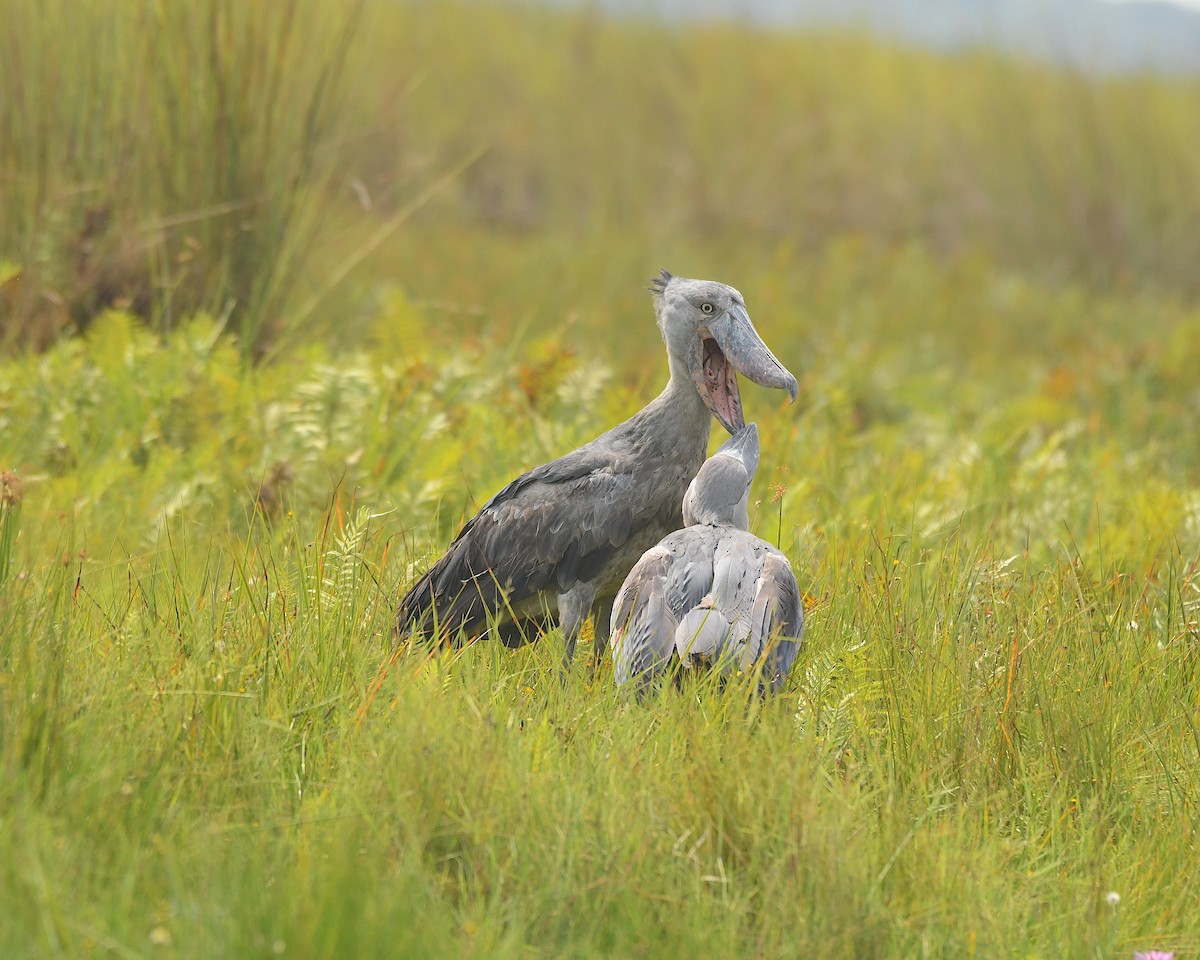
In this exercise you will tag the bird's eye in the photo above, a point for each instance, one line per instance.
(707, 307)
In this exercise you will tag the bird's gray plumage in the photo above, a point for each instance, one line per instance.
(711, 592)
(559, 539)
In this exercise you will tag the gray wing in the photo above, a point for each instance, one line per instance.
(690, 576)
(778, 617)
(643, 626)
(669, 580)
(737, 560)
(702, 630)
(736, 566)
(755, 591)
(551, 528)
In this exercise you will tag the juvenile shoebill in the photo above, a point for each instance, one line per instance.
(711, 592)
(559, 539)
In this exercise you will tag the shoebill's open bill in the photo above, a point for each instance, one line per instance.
(712, 592)
(558, 540)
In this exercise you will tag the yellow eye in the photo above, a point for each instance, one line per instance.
(707, 307)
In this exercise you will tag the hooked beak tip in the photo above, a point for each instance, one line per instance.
(752, 358)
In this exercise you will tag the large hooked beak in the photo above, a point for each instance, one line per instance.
(730, 345)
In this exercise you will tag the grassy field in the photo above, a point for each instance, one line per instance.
(271, 381)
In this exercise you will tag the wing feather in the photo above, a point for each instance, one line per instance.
(735, 569)
(643, 626)
(778, 617)
(550, 528)
(690, 577)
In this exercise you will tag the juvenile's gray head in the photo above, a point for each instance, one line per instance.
(710, 338)
(720, 492)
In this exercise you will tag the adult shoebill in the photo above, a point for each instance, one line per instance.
(711, 592)
(560, 538)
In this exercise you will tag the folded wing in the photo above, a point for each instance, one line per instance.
(552, 527)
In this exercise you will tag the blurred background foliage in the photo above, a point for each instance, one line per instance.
(235, 157)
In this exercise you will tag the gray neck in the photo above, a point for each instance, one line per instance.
(672, 428)
(734, 516)
(679, 409)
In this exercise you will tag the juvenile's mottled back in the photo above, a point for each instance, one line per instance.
(711, 592)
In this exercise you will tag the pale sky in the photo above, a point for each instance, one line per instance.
(1194, 4)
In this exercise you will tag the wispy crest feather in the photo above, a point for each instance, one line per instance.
(658, 285)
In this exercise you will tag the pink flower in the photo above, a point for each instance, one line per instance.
(1154, 955)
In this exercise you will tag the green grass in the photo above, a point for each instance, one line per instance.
(163, 156)
(979, 270)
(993, 724)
